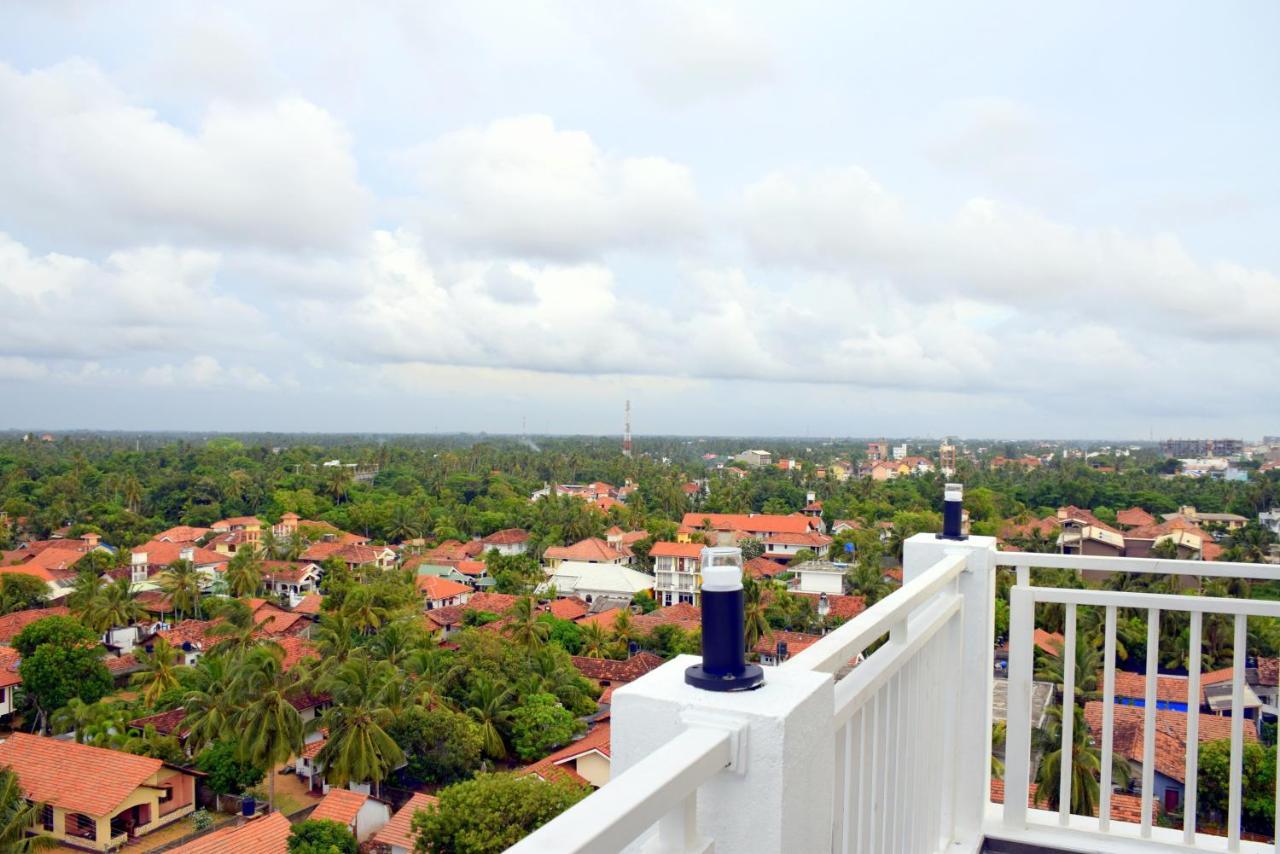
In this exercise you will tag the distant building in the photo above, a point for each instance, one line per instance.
(677, 571)
(755, 458)
(1181, 448)
(877, 451)
(947, 459)
(899, 451)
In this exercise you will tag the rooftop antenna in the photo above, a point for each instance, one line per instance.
(626, 432)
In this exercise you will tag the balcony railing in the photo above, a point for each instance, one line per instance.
(878, 737)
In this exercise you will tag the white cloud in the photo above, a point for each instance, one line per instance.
(844, 221)
(140, 300)
(91, 162)
(204, 372)
(521, 185)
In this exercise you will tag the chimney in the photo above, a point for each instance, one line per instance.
(824, 605)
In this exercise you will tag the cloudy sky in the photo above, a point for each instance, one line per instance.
(814, 219)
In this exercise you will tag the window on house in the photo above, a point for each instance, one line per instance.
(167, 794)
(46, 817)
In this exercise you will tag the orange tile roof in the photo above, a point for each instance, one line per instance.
(340, 805)
(1169, 689)
(1171, 734)
(163, 553)
(399, 831)
(617, 672)
(295, 650)
(9, 659)
(166, 723)
(238, 522)
(570, 608)
(506, 537)
(434, 587)
(309, 604)
(312, 749)
(496, 603)
(77, 777)
(603, 619)
(665, 549)
(754, 523)
(1134, 517)
(1124, 807)
(287, 571)
(762, 567)
(11, 624)
(472, 567)
(277, 621)
(841, 606)
(555, 767)
(682, 615)
(807, 538)
(589, 550)
(266, 835)
(795, 641)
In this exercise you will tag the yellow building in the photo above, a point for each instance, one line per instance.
(95, 798)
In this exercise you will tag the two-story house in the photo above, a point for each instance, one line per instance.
(677, 569)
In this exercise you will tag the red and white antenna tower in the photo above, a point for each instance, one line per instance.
(626, 433)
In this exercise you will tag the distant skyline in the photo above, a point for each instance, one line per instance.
(748, 219)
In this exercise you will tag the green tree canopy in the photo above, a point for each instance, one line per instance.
(321, 836)
(491, 813)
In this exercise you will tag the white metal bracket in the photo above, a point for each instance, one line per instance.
(736, 728)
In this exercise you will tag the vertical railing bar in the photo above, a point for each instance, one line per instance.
(1017, 761)
(1149, 720)
(876, 789)
(1192, 774)
(845, 805)
(840, 786)
(867, 788)
(951, 656)
(890, 780)
(920, 726)
(1108, 714)
(938, 745)
(1068, 715)
(902, 702)
(678, 829)
(1237, 732)
(1023, 576)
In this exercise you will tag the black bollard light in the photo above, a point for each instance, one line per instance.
(953, 512)
(724, 664)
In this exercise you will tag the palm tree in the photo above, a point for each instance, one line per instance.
(866, 580)
(487, 706)
(757, 623)
(334, 638)
(244, 573)
(76, 716)
(595, 641)
(430, 672)
(623, 628)
(1088, 662)
(404, 523)
(270, 727)
(209, 706)
(131, 492)
(358, 748)
(160, 669)
(526, 629)
(85, 590)
(339, 485)
(1085, 763)
(17, 816)
(181, 583)
(363, 610)
(115, 605)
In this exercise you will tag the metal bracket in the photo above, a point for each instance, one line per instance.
(736, 728)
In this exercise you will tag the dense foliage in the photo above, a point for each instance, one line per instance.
(491, 812)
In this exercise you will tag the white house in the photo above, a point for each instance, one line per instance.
(787, 545)
(294, 579)
(676, 572)
(590, 580)
(820, 576)
(508, 541)
(9, 679)
(359, 812)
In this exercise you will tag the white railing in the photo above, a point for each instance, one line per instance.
(878, 737)
(1016, 820)
(894, 753)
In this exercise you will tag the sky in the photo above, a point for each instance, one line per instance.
(1006, 219)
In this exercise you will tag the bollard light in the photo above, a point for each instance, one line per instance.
(724, 664)
(953, 512)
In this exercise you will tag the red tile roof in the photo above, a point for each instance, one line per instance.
(163, 553)
(472, 567)
(682, 615)
(295, 650)
(166, 723)
(617, 672)
(1123, 807)
(506, 537)
(590, 550)
(495, 603)
(340, 805)
(754, 523)
(1171, 734)
(399, 831)
(183, 534)
(309, 604)
(9, 659)
(808, 538)
(1134, 517)
(266, 835)
(762, 567)
(454, 550)
(570, 608)
(1169, 689)
(238, 522)
(841, 607)
(434, 587)
(687, 550)
(603, 619)
(555, 766)
(11, 624)
(287, 571)
(77, 777)
(795, 641)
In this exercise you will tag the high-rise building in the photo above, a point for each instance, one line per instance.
(1202, 448)
(947, 459)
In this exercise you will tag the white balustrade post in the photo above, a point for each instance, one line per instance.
(776, 799)
(972, 682)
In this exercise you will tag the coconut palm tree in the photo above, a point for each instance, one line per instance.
(757, 623)
(209, 707)
(1085, 763)
(244, 573)
(358, 747)
(334, 638)
(487, 706)
(363, 610)
(867, 580)
(339, 485)
(429, 672)
(525, 628)
(160, 671)
(270, 727)
(404, 523)
(623, 628)
(1088, 663)
(115, 605)
(17, 816)
(595, 641)
(181, 583)
(76, 716)
(85, 590)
